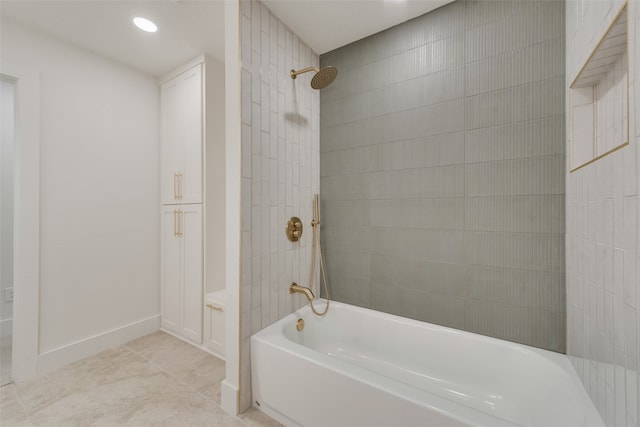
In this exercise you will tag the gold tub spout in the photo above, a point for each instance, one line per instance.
(295, 288)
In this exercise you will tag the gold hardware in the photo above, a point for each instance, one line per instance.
(316, 211)
(322, 78)
(178, 191)
(215, 307)
(295, 288)
(294, 229)
(175, 185)
(316, 252)
(294, 73)
(177, 222)
(300, 325)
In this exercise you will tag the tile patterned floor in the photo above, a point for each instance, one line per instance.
(156, 380)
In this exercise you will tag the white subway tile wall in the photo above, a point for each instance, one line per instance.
(280, 171)
(442, 170)
(603, 326)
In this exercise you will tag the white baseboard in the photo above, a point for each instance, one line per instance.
(62, 356)
(6, 328)
(230, 397)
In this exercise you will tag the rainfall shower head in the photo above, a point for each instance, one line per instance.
(323, 77)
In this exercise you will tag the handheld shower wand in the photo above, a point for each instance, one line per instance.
(315, 225)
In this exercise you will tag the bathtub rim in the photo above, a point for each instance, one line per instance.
(440, 405)
(275, 336)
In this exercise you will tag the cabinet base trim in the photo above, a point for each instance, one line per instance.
(193, 343)
(214, 353)
(62, 356)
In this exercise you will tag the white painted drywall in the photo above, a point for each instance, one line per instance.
(99, 220)
(215, 224)
(230, 387)
(6, 202)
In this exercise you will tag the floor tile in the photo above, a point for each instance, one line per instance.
(201, 412)
(156, 380)
(254, 418)
(11, 411)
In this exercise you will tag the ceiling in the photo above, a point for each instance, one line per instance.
(186, 28)
(329, 24)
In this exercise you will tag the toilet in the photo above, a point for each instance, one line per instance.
(214, 323)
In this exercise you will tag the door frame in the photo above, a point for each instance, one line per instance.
(26, 214)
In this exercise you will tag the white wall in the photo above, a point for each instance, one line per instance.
(215, 223)
(99, 194)
(230, 387)
(6, 202)
(603, 295)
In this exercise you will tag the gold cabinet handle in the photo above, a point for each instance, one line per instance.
(177, 186)
(177, 222)
(215, 307)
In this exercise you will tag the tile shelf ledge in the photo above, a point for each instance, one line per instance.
(607, 66)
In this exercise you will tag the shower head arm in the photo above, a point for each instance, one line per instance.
(295, 73)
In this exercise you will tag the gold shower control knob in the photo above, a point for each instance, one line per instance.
(294, 229)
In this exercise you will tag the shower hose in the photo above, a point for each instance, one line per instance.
(315, 224)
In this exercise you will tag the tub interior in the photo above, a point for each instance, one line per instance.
(489, 375)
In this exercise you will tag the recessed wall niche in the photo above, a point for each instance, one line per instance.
(599, 98)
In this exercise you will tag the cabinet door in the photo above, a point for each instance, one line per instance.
(171, 275)
(192, 278)
(171, 151)
(191, 92)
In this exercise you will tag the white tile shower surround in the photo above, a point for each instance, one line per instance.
(156, 380)
(602, 240)
(280, 171)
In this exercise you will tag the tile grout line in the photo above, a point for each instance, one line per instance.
(182, 383)
(151, 362)
(126, 346)
(13, 391)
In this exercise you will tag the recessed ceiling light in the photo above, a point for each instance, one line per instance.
(145, 25)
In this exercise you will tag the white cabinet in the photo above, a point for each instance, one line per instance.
(181, 136)
(182, 270)
(192, 169)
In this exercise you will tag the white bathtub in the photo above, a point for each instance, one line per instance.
(358, 367)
